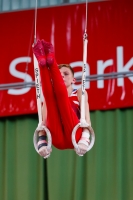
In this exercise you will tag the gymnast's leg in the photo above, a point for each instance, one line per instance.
(68, 116)
(53, 121)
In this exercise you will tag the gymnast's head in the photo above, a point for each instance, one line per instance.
(67, 73)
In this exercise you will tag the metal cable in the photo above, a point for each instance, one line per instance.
(94, 77)
(35, 22)
(86, 16)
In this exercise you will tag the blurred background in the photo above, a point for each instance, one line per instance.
(106, 171)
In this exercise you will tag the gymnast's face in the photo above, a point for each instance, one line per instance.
(67, 76)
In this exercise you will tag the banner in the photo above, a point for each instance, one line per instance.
(110, 49)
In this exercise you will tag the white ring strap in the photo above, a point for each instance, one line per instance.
(38, 97)
(83, 122)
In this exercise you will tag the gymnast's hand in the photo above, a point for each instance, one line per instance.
(42, 145)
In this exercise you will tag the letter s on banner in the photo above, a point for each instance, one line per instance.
(22, 75)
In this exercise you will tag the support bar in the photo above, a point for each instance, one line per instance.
(78, 79)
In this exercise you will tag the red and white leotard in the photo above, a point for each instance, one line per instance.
(63, 111)
(75, 102)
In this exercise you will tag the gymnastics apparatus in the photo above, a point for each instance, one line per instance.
(82, 122)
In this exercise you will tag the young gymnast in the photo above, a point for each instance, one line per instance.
(61, 107)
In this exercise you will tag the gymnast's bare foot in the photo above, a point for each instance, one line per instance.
(49, 51)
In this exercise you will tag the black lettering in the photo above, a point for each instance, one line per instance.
(38, 96)
(84, 70)
(36, 72)
(37, 85)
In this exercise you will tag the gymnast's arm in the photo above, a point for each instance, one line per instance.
(87, 111)
(43, 151)
(44, 116)
(44, 112)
